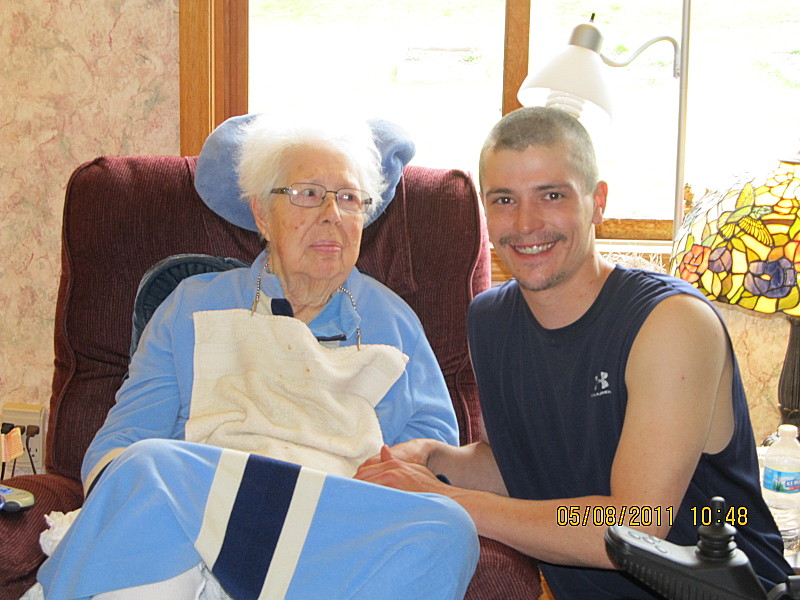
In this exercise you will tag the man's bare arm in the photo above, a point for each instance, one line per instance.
(678, 379)
(471, 466)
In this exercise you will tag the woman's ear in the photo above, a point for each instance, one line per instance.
(258, 210)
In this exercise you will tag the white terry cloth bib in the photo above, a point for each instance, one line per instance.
(263, 384)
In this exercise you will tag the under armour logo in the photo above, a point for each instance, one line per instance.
(601, 381)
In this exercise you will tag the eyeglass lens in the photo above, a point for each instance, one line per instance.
(310, 195)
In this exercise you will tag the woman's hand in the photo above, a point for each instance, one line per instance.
(403, 468)
(416, 451)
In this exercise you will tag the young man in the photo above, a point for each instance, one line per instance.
(608, 393)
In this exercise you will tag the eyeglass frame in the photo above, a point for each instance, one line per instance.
(287, 190)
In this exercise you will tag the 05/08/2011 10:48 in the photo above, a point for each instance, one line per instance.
(643, 516)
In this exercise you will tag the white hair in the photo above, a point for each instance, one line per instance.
(268, 140)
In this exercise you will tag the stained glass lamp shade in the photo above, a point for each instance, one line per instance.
(742, 247)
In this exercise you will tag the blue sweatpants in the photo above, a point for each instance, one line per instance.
(265, 529)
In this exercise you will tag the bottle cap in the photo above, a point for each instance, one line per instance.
(787, 430)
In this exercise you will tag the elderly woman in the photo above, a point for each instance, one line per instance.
(254, 395)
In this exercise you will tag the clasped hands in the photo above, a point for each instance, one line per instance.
(403, 467)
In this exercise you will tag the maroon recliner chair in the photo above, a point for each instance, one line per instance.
(124, 214)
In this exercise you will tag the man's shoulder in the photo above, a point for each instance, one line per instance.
(496, 297)
(636, 294)
(632, 280)
(492, 312)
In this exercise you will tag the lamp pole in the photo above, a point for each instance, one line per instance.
(570, 91)
(789, 382)
(683, 81)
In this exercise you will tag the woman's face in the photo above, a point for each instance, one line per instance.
(312, 247)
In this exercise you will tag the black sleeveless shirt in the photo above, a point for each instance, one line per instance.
(554, 404)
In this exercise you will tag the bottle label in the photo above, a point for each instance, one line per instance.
(781, 481)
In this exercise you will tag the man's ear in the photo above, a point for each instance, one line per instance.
(599, 196)
(262, 222)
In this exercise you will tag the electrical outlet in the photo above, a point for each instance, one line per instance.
(20, 413)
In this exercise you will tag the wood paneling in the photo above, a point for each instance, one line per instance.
(213, 38)
(515, 63)
(634, 229)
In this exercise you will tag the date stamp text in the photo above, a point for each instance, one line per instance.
(644, 516)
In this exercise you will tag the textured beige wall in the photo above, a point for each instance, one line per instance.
(759, 342)
(760, 346)
(79, 78)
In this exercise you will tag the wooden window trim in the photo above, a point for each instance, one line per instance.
(515, 51)
(213, 55)
(515, 69)
(213, 51)
(634, 229)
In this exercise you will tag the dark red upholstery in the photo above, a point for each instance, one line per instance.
(121, 215)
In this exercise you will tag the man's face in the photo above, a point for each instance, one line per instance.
(538, 215)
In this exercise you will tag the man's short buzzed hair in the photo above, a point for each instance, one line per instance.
(542, 126)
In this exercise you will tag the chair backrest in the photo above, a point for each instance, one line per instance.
(124, 214)
(162, 279)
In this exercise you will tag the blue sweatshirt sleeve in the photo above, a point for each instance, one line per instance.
(418, 405)
(432, 410)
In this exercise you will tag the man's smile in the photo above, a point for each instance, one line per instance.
(533, 248)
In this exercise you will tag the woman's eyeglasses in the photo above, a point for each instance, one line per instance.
(311, 195)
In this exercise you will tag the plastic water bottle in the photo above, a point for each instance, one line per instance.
(781, 487)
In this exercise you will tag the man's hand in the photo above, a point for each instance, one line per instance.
(417, 451)
(407, 473)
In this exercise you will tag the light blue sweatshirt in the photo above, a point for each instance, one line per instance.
(154, 401)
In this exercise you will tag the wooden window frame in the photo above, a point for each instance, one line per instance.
(515, 69)
(213, 51)
(213, 57)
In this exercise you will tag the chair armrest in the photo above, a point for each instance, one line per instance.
(20, 531)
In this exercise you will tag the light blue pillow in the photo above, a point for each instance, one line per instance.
(216, 178)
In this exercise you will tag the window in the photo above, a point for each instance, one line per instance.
(435, 68)
(743, 90)
(744, 80)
